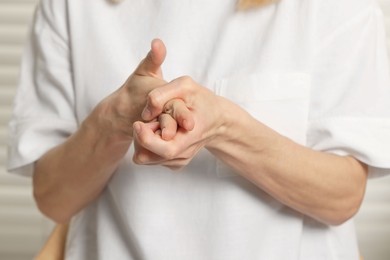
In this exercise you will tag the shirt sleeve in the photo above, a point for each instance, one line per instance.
(350, 96)
(43, 114)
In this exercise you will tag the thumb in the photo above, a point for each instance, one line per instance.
(151, 65)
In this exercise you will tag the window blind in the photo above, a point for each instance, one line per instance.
(22, 227)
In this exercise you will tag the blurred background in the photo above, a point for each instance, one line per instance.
(23, 229)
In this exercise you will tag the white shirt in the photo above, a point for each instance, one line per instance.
(315, 71)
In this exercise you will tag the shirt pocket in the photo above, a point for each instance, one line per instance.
(278, 100)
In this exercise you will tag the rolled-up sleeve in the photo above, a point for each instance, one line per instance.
(43, 115)
(350, 97)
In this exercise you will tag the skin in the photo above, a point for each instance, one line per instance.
(54, 247)
(326, 187)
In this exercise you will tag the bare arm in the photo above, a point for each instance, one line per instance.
(54, 247)
(326, 187)
(74, 173)
(71, 175)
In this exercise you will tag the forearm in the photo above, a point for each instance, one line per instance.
(326, 187)
(73, 174)
(54, 248)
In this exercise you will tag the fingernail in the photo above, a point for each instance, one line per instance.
(163, 133)
(185, 124)
(137, 128)
(146, 114)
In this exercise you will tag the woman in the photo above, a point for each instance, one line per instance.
(274, 141)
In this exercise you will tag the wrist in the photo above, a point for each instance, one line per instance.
(104, 143)
(238, 130)
(225, 121)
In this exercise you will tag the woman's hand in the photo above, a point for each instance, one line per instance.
(73, 174)
(199, 119)
(115, 115)
(326, 187)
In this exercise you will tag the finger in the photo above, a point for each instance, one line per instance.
(153, 126)
(151, 65)
(143, 156)
(146, 157)
(157, 98)
(180, 113)
(152, 142)
(168, 126)
(158, 132)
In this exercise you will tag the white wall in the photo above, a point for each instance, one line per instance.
(23, 229)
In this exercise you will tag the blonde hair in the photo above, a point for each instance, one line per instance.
(241, 4)
(248, 4)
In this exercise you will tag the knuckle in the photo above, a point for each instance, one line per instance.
(170, 153)
(138, 158)
(186, 80)
(187, 84)
(178, 105)
(143, 140)
(153, 98)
